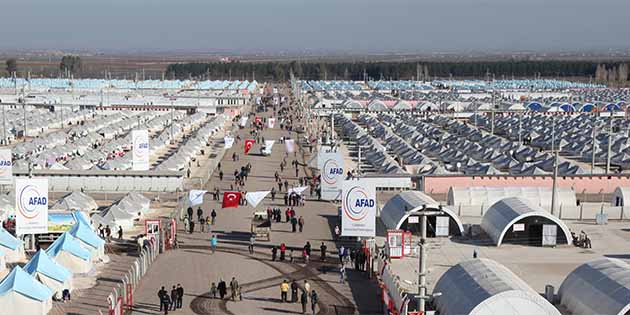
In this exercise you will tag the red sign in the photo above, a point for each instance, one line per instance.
(257, 119)
(231, 199)
(248, 144)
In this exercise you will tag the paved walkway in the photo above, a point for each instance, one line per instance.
(195, 267)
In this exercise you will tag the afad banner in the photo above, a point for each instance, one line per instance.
(140, 150)
(358, 209)
(31, 205)
(331, 169)
(271, 122)
(229, 142)
(6, 167)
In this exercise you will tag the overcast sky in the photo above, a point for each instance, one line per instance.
(335, 25)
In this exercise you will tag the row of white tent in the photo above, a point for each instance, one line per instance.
(38, 121)
(486, 287)
(28, 290)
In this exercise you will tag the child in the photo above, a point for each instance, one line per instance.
(213, 290)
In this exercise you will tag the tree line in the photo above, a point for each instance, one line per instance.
(279, 71)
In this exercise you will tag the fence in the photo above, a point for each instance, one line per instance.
(585, 211)
(121, 298)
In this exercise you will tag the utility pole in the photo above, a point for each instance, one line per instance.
(520, 123)
(422, 272)
(609, 143)
(4, 126)
(555, 164)
(492, 114)
(359, 161)
(593, 146)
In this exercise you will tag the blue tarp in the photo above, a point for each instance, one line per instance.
(67, 242)
(20, 281)
(534, 106)
(43, 264)
(9, 241)
(84, 232)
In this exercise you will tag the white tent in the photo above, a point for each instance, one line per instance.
(114, 217)
(21, 294)
(619, 196)
(12, 247)
(485, 287)
(49, 273)
(500, 218)
(3, 263)
(487, 196)
(76, 201)
(397, 209)
(68, 252)
(601, 286)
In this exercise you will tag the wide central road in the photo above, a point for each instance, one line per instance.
(195, 267)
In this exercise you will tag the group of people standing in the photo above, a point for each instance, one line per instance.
(204, 222)
(172, 301)
(306, 294)
(221, 290)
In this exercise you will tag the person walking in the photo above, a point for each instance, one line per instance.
(234, 288)
(283, 250)
(192, 225)
(202, 224)
(304, 301)
(337, 232)
(274, 252)
(208, 224)
(213, 215)
(120, 232)
(199, 214)
(307, 286)
(342, 251)
(161, 293)
(273, 194)
(166, 301)
(189, 211)
(294, 291)
(322, 250)
(308, 248)
(213, 290)
(222, 287)
(173, 298)
(284, 290)
(252, 240)
(213, 243)
(180, 295)
(221, 175)
(294, 223)
(342, 273)
(314, 299)
(301, 223)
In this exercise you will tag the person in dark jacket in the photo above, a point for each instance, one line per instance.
(304, 301)
(294, 291)
(180, 295)
(174, 298)
(161, 293)
(222, 287)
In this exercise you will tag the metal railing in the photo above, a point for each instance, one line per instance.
(121, 297)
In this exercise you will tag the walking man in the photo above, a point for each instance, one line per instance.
(180, 295)
(304, 301)
(252, 240)
(161, 293)
(173, 298)
(234, 288)
(301, 223)
(314, 299)
(222, 289)
(213, 215)
(294, 291)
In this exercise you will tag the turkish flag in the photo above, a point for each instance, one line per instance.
(257, 119)
(231, 199)
(248, 144)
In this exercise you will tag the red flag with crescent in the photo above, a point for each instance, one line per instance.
(248, 144)
(231, 199)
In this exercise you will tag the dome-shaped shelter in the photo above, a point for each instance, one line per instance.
(567, 108)
(601, 286)
(485, 287)
(352, 104)
(377, 105)
(398, 209)
(587, 108)
(402, 105)
(500, 220)
(534, 107)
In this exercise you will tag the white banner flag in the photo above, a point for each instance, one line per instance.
(268, 147)
(195, 197)
(290, 145)
(243, 121)
(358, 209)
(31, 205)
(331, 169)
(271, 122)
(297, 190)
(140, 150)
(229, 141)
(6, 167)
(255, 197)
